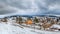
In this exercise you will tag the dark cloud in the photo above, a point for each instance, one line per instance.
(6, 9)
(3, 12)
(28, 7)
(49, 6)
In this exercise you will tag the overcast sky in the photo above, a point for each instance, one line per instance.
(29, 7)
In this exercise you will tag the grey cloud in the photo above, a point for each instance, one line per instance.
(42, 6)
(19, 4)
(2, 12)
(45, 7)
(5, 9)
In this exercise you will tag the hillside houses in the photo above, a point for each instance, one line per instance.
(34, 21)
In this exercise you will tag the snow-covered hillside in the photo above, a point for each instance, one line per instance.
(12, 29)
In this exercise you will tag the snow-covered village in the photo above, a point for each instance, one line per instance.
(30, 25)
(29, 16)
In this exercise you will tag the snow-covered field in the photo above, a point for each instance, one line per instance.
(12, 29)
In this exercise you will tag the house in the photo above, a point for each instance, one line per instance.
(55, 27)
(29, 22)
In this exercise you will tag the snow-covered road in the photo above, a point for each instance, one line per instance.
(11, 29)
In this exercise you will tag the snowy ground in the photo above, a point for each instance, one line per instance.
(12, 29)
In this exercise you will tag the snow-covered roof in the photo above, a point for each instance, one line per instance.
(55, 26)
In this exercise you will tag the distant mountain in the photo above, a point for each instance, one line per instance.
(21, 16)
(31, 16)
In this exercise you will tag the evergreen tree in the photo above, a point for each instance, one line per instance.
(28, 18)
(19, 20)
(5, 19)
(36, 20)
